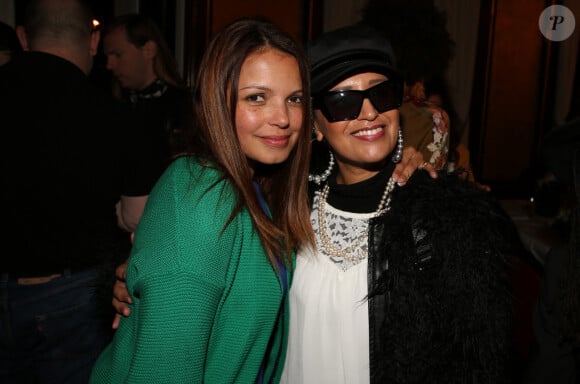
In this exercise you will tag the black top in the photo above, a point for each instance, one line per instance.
(157, 120)
(59, 167)
(362, 197)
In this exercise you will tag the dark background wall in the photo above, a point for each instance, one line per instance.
(514, 89)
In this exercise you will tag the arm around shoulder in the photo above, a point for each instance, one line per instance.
(129, 211)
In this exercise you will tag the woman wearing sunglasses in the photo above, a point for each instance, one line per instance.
(405, 285)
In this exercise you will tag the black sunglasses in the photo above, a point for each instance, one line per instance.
(346, 105)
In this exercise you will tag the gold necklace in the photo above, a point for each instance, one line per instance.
(346, 253)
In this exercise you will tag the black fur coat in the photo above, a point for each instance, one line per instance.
(440, 306)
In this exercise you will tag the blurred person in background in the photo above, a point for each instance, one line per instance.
(157, 107)
(59, 159)
(555, 354)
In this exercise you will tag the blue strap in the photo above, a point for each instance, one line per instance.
(284, 285)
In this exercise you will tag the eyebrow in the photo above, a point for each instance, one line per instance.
(349, 87)
(267, 89)
(252, 86)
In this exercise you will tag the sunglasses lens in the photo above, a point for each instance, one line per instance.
(386, 96)
(338, 106)
(346, 105)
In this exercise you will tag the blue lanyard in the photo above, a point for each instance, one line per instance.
(284, 284)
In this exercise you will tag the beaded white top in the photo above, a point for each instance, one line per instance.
(328, 330)
(345, 230)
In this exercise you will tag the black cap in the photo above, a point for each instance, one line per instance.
(346, 51)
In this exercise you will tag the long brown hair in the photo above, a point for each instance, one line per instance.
(284, 185)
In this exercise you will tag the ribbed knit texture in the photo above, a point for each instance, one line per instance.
(205, 300)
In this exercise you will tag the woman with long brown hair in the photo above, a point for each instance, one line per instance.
(212, 259)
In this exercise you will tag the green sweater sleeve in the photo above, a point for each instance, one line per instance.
(168, 342)
(206, 300)
(177, 274)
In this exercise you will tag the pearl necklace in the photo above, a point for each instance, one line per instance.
(347, 253)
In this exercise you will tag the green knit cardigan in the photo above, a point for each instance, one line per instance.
(206, 298)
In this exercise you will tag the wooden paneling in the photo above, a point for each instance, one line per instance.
(287, 14)
(301, 18)
(509, 105)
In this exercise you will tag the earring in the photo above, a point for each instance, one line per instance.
(314, 132)
(318, 179)
(399, 152)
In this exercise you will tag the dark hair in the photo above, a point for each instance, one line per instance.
(139, 30)
(216, 93)
(417, 31)
(69, 19)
